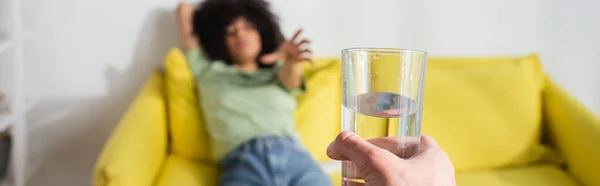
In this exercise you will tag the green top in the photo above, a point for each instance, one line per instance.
(239, 106)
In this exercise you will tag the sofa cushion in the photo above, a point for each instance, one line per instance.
(186, 128)
(181, 171)
(546, 175)
(134, 153)
(485, 113)
(318, 115)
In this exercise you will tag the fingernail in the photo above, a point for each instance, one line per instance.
(329, 147)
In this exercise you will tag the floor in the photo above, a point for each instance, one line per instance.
(73, 167)
(66, 137)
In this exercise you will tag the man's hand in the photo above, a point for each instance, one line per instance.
(292, 51)
(380, 167)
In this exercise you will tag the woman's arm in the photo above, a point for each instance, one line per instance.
(293, 52)
(185, 13)
(290, 75)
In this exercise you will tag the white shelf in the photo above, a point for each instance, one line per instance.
(8, 43)
(19, 129)
(6, 120)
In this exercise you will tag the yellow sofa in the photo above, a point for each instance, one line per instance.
(502, 121)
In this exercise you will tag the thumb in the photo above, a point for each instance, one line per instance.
(349, 146)
(270, 58)
(427, 146)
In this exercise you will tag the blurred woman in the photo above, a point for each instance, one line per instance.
(248, 77)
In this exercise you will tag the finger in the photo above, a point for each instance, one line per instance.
(402, 146)
(270, 58)
(305, 55)
(349, 146)
(303, 42)
(298, 32)
(427, 144)
(309, 60)
(306, 51)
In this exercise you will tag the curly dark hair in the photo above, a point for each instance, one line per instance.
(213, 16)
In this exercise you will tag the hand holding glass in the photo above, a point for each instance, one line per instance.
(382, 97)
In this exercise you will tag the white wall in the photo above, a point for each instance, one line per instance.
(564, 33)
(87, 60)
(80, 44)
(569, 42)
(90, 57)
(80, 47)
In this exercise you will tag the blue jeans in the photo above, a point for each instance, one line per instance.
(271, 161)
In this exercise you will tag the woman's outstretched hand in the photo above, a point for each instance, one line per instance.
(380, 167)
(292, 51)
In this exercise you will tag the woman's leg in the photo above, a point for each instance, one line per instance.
(305, 171)
(271, 161)
(244, 166)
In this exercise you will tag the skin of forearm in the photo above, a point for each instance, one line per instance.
(184, 20)
(290, 74)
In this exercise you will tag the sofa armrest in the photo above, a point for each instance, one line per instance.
(137, 148)
(574, 131)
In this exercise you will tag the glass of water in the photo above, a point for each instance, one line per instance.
(382, 99)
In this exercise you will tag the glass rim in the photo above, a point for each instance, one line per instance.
(383, 50)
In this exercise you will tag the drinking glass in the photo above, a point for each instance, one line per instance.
(382, 97)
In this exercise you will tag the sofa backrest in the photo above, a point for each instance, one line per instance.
(484, 112)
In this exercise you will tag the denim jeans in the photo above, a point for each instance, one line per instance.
(271, 161)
